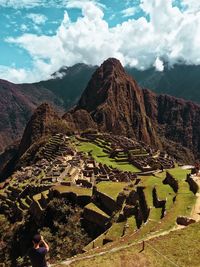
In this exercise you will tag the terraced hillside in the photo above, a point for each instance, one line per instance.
(126, 191)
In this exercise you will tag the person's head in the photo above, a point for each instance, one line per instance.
(36, 239)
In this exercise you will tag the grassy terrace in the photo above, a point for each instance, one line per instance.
(93, 207)
(112, 189)
(80, 191)
(115, 231)
(180, 247)
(102, 157)
(38, 196)
(185, 199)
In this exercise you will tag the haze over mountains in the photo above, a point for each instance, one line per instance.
(17, 102)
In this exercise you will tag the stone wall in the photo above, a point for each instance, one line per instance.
(170, 180)
(192, 184)
(106, 203)
(143, 203)
(159, 203)
(33, 190)
(95, 217)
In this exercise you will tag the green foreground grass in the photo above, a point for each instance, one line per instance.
(178, 248)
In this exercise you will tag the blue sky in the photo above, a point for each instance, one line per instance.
(37, 37)
(16, 21)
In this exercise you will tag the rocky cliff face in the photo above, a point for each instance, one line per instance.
(37, 126)
(116, 104)
(113, 102)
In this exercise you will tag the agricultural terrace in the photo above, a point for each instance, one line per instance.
(102, 157)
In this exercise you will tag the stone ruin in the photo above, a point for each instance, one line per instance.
(192, 184)
(159, 203)
(170, 180)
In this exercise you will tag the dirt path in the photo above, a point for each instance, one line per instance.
(195, 214)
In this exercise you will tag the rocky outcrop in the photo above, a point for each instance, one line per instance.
(116, 103)
(184, 221)
(38, 126)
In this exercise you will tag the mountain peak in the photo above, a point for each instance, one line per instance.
(112, 66)
(108, 77)
(112, 62)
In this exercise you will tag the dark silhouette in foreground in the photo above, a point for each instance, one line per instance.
(38, 252)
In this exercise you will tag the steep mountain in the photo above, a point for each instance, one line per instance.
(41, 123)
(17, 102)
(115, 103)
(16, 106)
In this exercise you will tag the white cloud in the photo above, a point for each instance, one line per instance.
(128, 12)
(158, 64)
(14, 75)
(192, 5)
(170, 35)
(37, 18)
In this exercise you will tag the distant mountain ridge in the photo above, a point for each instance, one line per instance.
(18, 101)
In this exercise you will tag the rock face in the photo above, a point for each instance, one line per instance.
(113, 102)
(37, 126)
(17, 104)
(116, 104)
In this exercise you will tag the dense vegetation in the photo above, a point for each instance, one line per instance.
(61, 227)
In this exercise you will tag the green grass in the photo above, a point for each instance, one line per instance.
(179, 173)
(80, 191)
(163, 191)
(132, 226)
(112, 189)
(102, 157)
(115, 231)
(181, 207)
(180, 247)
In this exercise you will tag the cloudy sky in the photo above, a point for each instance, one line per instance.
(37, 37)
